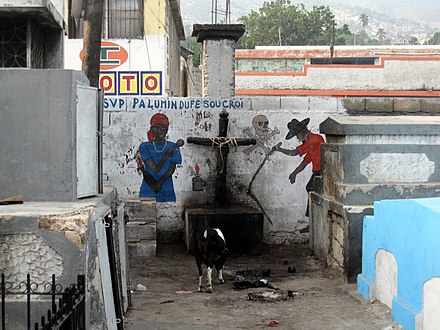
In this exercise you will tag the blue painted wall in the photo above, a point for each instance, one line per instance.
(410, 230)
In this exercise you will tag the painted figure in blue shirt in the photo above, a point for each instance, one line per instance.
(157, 160)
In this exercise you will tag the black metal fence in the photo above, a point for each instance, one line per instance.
(67, 312)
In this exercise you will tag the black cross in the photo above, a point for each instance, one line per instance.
(222, 142)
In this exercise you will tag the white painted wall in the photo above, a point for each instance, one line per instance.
(284, 203)
(431, 304)
(385, 277)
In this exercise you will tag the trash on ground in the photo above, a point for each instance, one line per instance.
(183, 292)
(243, 285)
(253, 273)
(291, 293)
(269, 296)
(273, 323)
(166, 302)
(141, 287)
(291, 269)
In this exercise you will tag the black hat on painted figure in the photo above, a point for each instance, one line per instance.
(296, 126)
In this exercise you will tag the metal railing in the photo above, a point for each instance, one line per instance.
(66, 313)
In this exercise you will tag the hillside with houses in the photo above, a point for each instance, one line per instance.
(396, 30)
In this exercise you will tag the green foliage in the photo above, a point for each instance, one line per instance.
(413, 41)
(280, 23)
(380, 34)
(435, 39)
(363, 20)
(196, 48)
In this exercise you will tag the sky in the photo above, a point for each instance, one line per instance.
(423, 11)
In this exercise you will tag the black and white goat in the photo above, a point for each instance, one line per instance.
(211, 250)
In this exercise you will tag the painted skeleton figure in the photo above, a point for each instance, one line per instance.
(262, 133)
(261, 126)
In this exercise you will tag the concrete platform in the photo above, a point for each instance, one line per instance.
(242, 226)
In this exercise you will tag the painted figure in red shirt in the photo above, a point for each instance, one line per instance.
(310, 149)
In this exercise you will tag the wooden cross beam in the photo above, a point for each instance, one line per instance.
(222, 142)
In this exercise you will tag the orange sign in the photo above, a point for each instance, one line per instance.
(112, 55)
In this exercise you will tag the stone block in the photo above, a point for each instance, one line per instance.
(379, 105)
(140, 230)
(265, 103)
(406, 105)
(141, 249)
(322, 104)
(140, 209)
(430, 105)
(298, 103)
(354, 104)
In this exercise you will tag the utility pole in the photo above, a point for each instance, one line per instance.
(332, 42)
(92, 40)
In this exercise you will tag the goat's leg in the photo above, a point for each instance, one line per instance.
(199, 267)
(219, 267)
(209, 276)
(220, 276)
(200, 289)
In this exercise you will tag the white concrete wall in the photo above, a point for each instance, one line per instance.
(395, 74)
(285, 204)
(431, 304)
(386, 277)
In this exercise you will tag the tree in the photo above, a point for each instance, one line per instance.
(196, 48)
(413, 41)
(380, 34)
(435, 39)
(279, 20)
(363, 20)
(343, 36)
(362, 38)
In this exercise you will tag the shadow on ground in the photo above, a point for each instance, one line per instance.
(308, 297)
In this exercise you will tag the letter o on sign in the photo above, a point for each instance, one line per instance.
(150, 83)
(106, 83)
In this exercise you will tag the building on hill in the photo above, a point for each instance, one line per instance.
(348, 71)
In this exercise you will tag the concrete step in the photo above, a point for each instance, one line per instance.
(139, 230)
(141, 249)
(140, 209)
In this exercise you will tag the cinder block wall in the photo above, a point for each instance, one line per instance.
(392, 106)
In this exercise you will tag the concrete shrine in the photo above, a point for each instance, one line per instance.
(368, 159)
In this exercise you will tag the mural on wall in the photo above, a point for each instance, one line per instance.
(262, 134)
(309, 148)
(157, 159)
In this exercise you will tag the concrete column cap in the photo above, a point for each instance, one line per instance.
(217, 31)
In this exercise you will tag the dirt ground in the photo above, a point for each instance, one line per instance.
(307, 298)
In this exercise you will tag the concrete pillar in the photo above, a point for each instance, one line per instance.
(218, 57)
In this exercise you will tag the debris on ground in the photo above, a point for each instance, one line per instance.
(268, 296)
(253, 273)
(141, 287)
(183, 292)
(273, 323)
(166, 302)
(243, 285)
